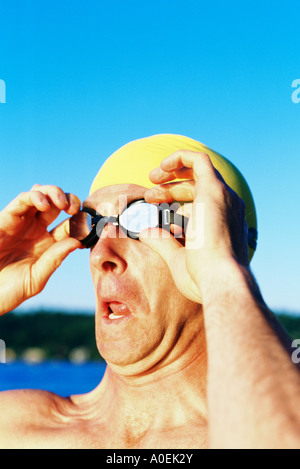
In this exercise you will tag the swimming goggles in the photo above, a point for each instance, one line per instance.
(88, 225)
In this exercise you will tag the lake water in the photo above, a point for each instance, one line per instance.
(62, 378)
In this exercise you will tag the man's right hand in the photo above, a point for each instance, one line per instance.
(214, 245)
(29, 253)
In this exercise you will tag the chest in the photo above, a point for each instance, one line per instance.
(189, 437)
(88, 437)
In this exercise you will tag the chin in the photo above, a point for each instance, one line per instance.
(134, 355)
(129, 340)
(118, 354)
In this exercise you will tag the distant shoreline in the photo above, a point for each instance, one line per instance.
(41, 335)
(38, 336)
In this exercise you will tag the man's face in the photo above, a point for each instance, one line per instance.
(140, 315)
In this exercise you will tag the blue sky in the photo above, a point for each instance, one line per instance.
(84, 78)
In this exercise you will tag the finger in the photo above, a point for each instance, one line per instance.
(185, 164)
(61, 231)
(55, 195)
(48, 217)
(180, 191)
(71, 207)
(162, 242)
(202, 166)
(184, 173)
(49, 262)
(41, 198)
(199, 162)
(177, 232)
(186, 210)
(159, 176)
(68, 202)
(182, 158)
(27, 201)
(74, 204)
(172, 253)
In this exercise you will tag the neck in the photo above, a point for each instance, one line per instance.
(169, 395)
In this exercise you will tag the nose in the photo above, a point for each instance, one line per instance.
(108, 255)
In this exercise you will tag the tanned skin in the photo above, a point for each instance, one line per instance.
(196, 359)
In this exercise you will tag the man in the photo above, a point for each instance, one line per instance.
(195, 359)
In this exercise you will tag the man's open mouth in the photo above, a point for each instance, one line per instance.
(117, 310)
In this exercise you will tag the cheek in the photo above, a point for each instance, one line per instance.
(94, 274)
(152, 333)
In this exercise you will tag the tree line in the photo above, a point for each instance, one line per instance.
(58, 333)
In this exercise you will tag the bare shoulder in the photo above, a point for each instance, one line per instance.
(25, 412)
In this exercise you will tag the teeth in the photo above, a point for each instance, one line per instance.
(114, 316)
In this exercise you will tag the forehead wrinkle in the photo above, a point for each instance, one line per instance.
(115, 201)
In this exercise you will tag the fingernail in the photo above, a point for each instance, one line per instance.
(157, 192)
(77, 205)
(44, 201)
(154, 172)
(63, 198)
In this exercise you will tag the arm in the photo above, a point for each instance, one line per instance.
(253, 386)
(257, 405)
(29, 255)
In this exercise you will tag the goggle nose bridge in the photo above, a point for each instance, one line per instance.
(166, 215)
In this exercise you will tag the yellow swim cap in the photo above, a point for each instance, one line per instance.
(132, 163)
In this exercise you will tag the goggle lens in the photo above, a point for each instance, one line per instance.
(81, 225)
(138, 217)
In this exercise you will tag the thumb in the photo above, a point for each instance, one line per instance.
(162, 242)
(49, 262)
(173, 254)
(61, 231)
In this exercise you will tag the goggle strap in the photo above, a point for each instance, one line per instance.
(91, 239)
(95, 234)
(252, 238)
(103, 222)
